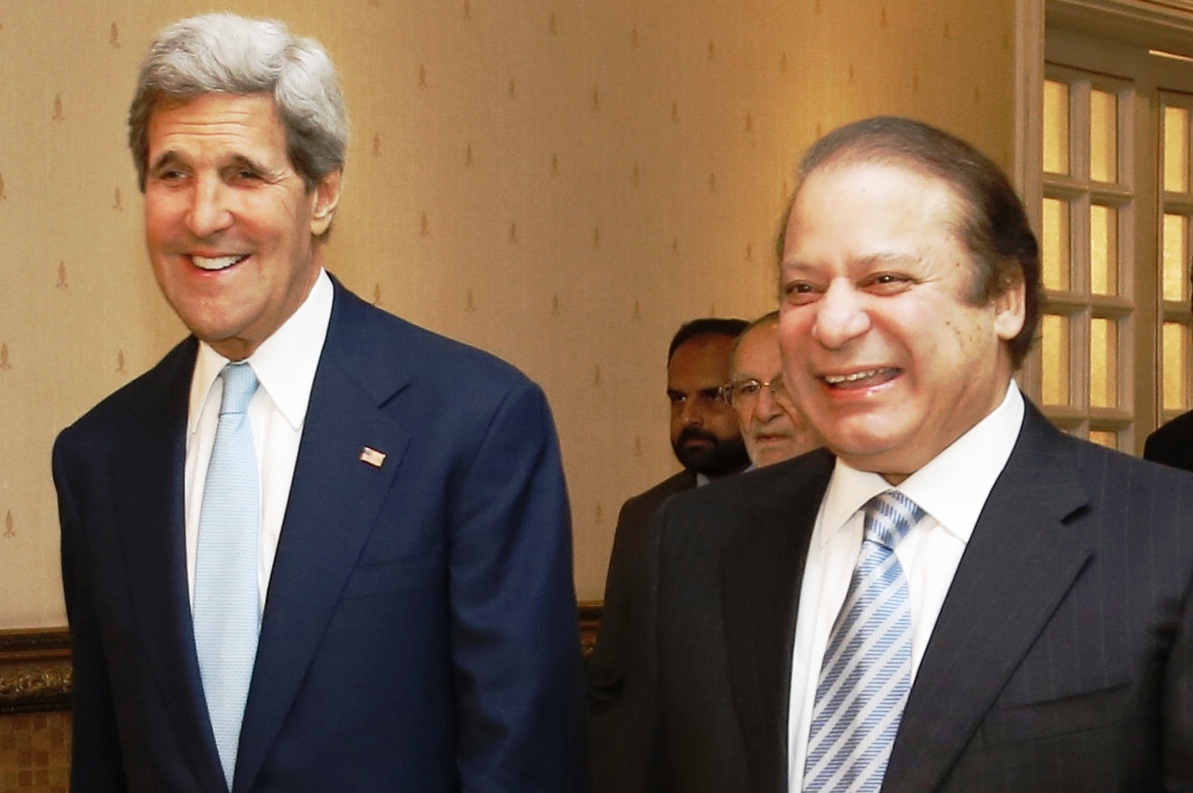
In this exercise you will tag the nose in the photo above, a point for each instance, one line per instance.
(209, 212)
(693, 414)
(766, 407)
(840, 315)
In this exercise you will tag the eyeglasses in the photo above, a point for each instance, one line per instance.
(743, 392)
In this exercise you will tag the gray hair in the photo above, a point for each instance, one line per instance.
(226, 53)
(770, 318)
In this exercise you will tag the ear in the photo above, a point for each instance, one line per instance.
(1010, 311)
(324, 199)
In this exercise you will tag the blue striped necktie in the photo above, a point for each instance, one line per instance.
(226, 611)
(866, 673)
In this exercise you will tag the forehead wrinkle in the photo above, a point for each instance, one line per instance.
(888, 257)
(227, 128)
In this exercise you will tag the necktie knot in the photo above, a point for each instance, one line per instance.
(240, 383)
(888, 518)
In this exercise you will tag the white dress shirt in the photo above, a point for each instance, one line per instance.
(952, 490)
(285, 366)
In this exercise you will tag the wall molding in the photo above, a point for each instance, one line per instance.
(1162, 24)
(35, 672)
(590, 621)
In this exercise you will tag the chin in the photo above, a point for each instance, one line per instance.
(764, 457)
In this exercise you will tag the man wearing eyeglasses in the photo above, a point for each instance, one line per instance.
(773, 428)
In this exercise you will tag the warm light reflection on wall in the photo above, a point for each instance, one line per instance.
(1056, 127)
(1103, 136)
(1176, 257)
(1054, 349)
(1085, 368)
(1103, 250)
(1054, 244)
(1103, 363)
(1175, 345)
(1176, 149)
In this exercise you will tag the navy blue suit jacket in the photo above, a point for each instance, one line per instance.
(419, 632)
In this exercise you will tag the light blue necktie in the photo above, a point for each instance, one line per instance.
(866, 673)
(226, 612)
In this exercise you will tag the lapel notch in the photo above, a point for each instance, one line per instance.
(151, 523)
(334, 500)
(1020, 562)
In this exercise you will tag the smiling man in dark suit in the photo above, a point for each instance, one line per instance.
(954, 595)
(315, 548)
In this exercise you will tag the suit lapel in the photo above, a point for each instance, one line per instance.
(152, 531)
(1017, 567)
(761, 575)
(334, 498)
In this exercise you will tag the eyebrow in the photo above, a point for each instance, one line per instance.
(872, 260)
(167, 157)
(172, 157)
(242, 161)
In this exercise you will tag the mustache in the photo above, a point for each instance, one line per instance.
(697, 434)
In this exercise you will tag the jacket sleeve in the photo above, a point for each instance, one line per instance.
(95, 749)
(514, 637)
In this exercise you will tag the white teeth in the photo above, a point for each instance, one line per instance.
(218, 263)
(837, 379)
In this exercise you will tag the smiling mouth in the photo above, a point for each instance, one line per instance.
(216, 263)
(866, 379)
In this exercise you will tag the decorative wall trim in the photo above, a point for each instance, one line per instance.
(1027, 168)
(1163, 24)
(590, 622)
(35, 664)
(34, 670)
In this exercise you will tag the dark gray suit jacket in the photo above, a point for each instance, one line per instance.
(625, 596)
(1062, 659)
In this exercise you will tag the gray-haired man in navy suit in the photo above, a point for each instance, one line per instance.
(315, 548)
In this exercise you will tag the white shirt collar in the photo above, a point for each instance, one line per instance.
(952, 487)
(284, 363)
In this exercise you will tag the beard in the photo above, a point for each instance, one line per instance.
(719, 457)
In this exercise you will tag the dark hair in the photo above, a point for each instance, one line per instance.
(992, 224)
(706, 326)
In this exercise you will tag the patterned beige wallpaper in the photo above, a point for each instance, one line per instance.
(562, 183)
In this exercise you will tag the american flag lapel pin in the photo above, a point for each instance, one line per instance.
(371, 456)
